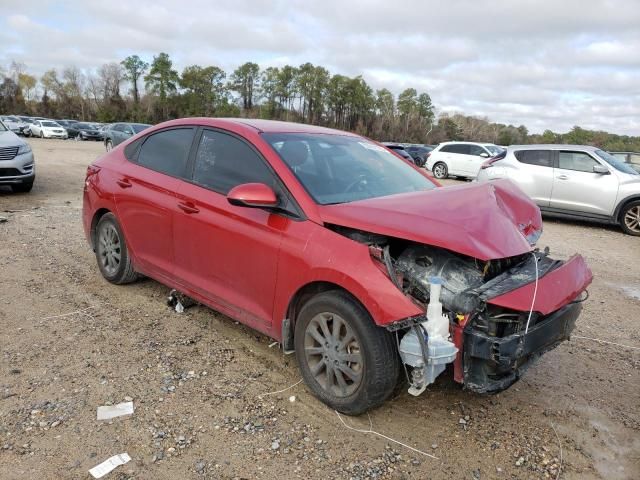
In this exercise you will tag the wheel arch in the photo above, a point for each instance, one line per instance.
(101, 212)
(621, 206)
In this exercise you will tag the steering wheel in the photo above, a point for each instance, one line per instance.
(361, 180)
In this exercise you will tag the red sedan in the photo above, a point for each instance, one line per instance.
(337, 248)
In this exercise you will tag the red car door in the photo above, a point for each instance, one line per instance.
(146, 199)
(228, 254)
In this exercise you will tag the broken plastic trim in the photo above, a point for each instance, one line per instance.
(492, 364)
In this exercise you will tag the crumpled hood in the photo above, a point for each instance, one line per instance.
(482, 220)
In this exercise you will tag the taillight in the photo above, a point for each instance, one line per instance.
(490, 162)
(92, 170)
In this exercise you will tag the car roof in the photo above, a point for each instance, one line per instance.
(261, 126)
(554, 146)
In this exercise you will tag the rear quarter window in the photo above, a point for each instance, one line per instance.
(167, 151)
(541, 158)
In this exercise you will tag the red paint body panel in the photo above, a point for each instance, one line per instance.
(555, 289)
(482, 220)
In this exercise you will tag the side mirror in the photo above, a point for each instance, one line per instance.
(256, 195)
(484, 155)
(601, 169)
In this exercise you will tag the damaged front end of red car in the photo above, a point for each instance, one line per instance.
(505, 302)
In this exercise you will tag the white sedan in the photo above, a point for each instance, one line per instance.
(48, 129)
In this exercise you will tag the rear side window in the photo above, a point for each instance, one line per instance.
(578, 161)
(224, 162)
(167, 151)
(541, 158)
(456, 148)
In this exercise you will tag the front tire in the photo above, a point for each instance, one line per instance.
(440, 170)
(347, 361)
(112, 254)
(41, 134)
(630, 218)
(108, 145)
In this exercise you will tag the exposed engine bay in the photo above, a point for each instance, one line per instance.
(489, 345)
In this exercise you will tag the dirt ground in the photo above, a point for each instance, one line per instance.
(71, 342)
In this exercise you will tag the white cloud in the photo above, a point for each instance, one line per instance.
(542, 63)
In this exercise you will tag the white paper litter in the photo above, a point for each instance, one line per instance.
(109, 464)
(179, 306)
(108, 412)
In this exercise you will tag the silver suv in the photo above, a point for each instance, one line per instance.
(17, 167)
(572, 181)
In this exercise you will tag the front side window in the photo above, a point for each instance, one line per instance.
(578, 161)
(541, 158)
(339, 169)
(167, 151)
(477, 150)
(224, 162)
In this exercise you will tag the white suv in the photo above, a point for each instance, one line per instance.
(462, 159)
(574, 181)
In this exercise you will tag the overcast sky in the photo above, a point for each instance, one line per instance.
(545, 64)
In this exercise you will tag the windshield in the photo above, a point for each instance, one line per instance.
(138, 127)
(50, 124)
(616, 163)
(83, 126)
(339, 169)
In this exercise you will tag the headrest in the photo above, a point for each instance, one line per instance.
(294, 152)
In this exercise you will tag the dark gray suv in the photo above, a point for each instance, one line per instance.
(119, 132)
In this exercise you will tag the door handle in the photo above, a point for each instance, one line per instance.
(124, 183)
(188, 207)
(562, 177)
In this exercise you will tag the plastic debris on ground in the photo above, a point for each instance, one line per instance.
(107, 412)
(109, 464)
(179, 302)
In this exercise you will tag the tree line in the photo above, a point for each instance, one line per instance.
(151, 92)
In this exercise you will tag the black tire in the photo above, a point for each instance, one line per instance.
(440, 170)
(630, 218)
(23, 187)
(374, 357)
(108, 145)
(109, 243)
(41, 134)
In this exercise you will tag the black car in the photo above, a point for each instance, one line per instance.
(70, 127)
(420, 153)
(116, 133)
(399, 149)
(87, 131)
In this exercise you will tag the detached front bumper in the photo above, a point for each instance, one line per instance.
(490, 361)
(492, 364)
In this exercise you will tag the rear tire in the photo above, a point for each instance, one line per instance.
(347, 361)
(112, 254)
(630, 218)
(440, 170)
